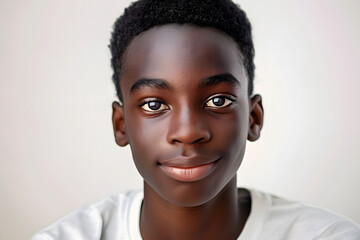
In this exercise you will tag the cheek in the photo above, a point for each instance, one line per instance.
(233, 130)
(143, 132)
(144, 137)
(232, 137)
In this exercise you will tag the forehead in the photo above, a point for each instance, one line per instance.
(178, 50)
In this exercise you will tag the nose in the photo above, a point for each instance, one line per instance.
(188, 127)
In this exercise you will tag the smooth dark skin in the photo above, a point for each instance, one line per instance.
(182, 69)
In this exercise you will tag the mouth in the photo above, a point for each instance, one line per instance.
(184, 170)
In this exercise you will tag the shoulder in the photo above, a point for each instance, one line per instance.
(95, 221)
(292, 219)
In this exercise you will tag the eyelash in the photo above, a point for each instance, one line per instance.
(159, 106)
(147, 107)
(226, 101)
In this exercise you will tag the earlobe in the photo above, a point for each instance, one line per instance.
(256, 118)
(119, 125)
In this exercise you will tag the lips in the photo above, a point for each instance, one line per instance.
(188, 169)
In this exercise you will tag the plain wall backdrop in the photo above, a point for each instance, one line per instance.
(57, 151)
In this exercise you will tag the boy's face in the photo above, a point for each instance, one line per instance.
(186, 111)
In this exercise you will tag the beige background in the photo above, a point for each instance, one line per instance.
(56, 146)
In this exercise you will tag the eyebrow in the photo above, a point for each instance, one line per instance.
(220, 78)
(162, 84)
(149, 82)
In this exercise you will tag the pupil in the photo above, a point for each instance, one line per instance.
(218, 101)
(154, 105)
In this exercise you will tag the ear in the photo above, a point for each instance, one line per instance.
(119, 124)
(256, 118)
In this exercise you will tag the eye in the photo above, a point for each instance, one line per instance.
(218, 102)
(154, 106)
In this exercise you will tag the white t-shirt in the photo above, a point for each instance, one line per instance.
(270, 218)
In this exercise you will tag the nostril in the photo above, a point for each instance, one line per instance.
(176, 141)
(189, 132)
(199, 140)
(196, 141)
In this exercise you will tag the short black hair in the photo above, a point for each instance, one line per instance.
(142, 15)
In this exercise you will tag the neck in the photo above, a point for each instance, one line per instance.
(223, 217)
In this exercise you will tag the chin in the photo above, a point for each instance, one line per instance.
(191, 194)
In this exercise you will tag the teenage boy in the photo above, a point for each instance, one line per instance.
(183, 72)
